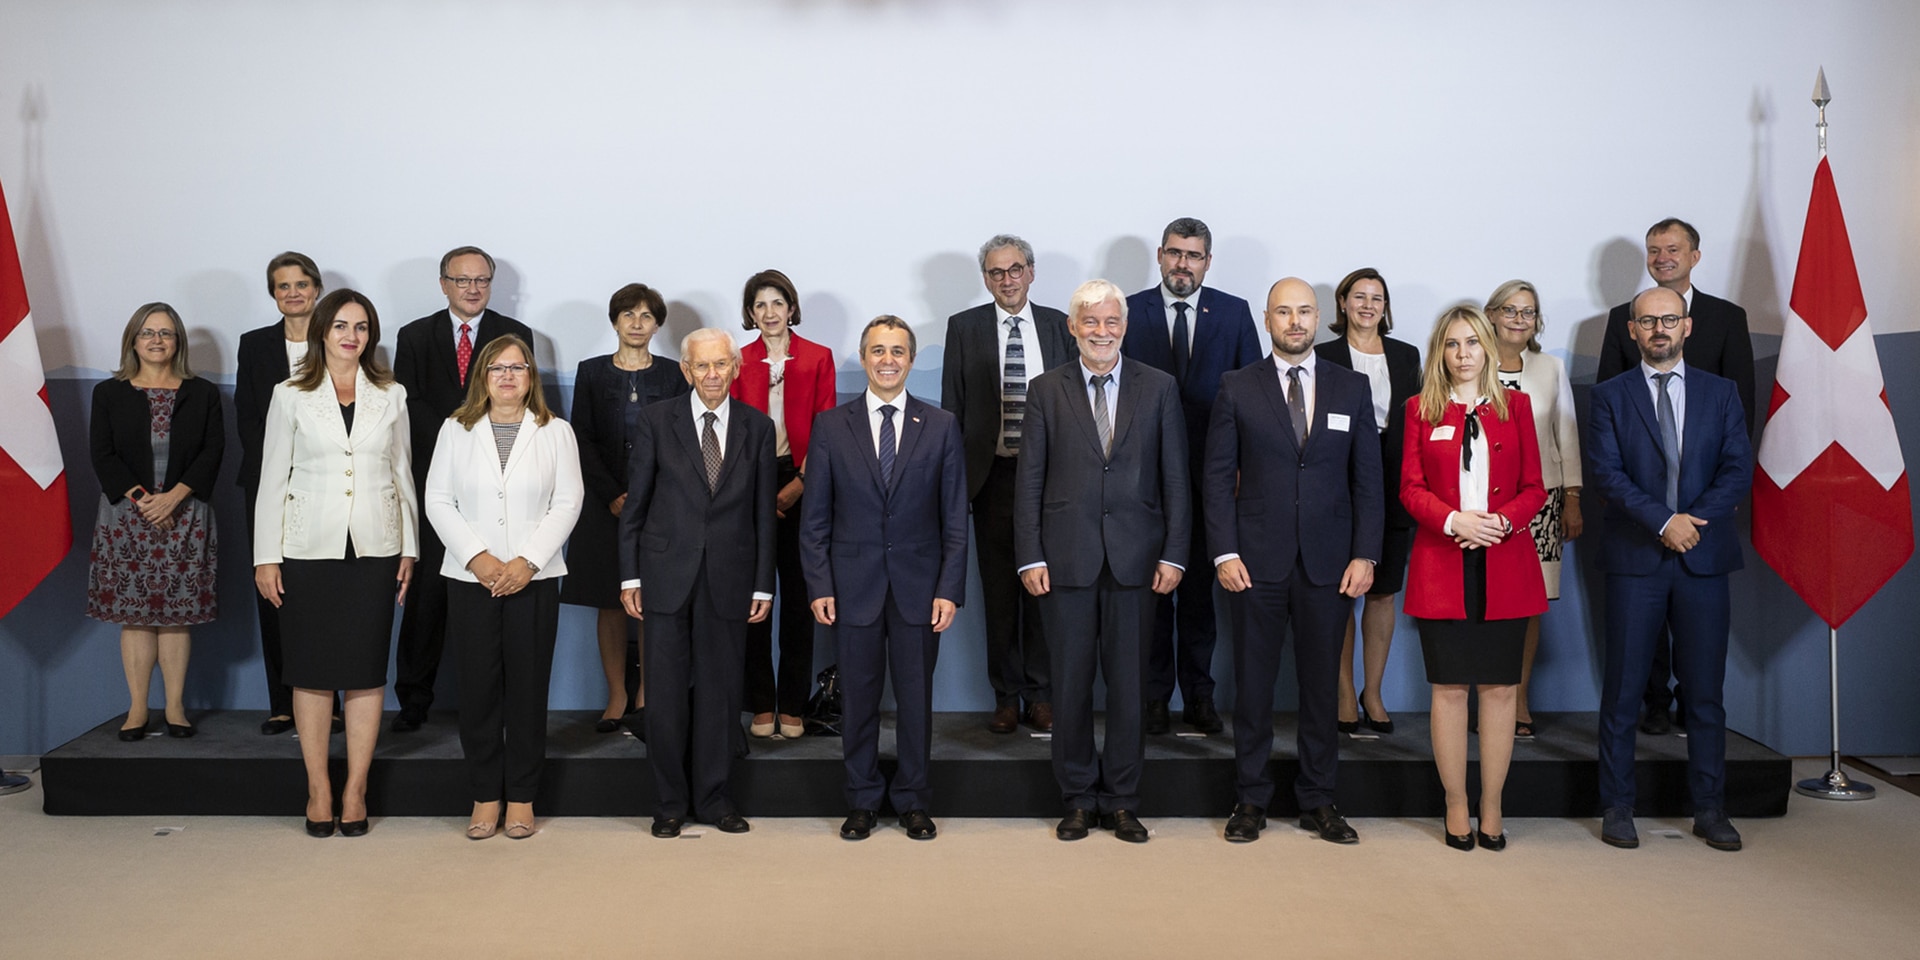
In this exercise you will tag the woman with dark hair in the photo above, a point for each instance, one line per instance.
(334, 541)
(1363, 316)
(1470, 476)
(608, 392)
(156, 439)
(791, 380)
(503, 500)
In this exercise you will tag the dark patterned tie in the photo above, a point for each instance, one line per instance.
(1296, 406)
(1669, 440)
(1013, 388)
(1102, 422)
(1182, 348)
(710, 449)
(886, 444)
(463, 351)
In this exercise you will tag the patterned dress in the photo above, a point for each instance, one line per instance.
(144, 576)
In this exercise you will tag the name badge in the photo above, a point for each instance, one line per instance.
(1338, 421)
(1442, 433)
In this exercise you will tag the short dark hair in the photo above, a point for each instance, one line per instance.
(1693, 236)
(464, 251)
(1339, 324)
(891, 322)
(1189, 227)
(626, 297)
(293, 258)
(760, 281)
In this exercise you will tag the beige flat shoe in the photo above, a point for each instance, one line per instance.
(794, 730)
(520, 831)
(761, 728)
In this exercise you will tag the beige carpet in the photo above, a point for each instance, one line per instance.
(1826, 875)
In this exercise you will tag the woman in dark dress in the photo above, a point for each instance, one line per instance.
(608, 392)
(1470, 475)
(157, 437)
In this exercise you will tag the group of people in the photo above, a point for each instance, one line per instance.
(1118, 458)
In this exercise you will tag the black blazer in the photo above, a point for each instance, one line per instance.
(424, 363)
(122, 438)
(672, 530)
(262, 366)
(1403, 378)
(1074, 509)
(970, 376)
(1719, 344)
(599, 421)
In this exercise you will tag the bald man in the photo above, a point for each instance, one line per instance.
(1295, 514)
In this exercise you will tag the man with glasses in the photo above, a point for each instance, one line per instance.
(434, 360)
(1718, 345)
(993, 350)
(1197, 334)
(1671, 456)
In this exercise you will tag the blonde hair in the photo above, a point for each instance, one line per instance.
(130, 358)
(1504, 293)
(478, 400)
(1436, 388)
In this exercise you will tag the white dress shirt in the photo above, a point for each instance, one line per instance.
(874, 419)
(1374, 365)
(1192, 301)
(1473, 481)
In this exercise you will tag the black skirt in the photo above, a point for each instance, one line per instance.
(1390, 574)
(1474, 650)
(593, 559)
(336, 622)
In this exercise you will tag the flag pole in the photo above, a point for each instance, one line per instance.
(1835, 785)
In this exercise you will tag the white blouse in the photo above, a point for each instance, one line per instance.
(1374, 365)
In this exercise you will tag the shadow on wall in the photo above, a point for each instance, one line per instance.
(226, 302)
(1618, 265)
(1755, 281)
(683, 318)
(1128, 262)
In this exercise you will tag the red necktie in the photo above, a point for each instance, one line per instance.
(464, 353)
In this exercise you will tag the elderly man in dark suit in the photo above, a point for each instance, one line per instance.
(1295, 516)
(431, 359)
(1101, 526)
(1719, 345)
(993, 350)
(697, 532)
(883, 532)
(1197, 334)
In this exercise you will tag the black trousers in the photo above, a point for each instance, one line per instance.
(423, 626)
(279, 695)
(788, 692)
(1017, 662)
(693, 705)
(867, 654)
(1188, 657)
(1263, 614)
(1104, 626)
(504, 646)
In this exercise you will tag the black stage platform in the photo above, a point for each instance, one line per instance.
(231, 770)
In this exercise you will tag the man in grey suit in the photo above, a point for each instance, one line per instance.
(1102, 517)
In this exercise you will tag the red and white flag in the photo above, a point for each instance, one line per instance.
(35, 527)
(1831, 509)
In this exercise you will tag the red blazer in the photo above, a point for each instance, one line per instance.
(810, 386)
(1430, 489)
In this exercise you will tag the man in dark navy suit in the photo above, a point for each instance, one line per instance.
(883, 532)
(1295, 517)
(1197, 334)
(1671, 455)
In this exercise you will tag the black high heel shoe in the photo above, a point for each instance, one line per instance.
(1348, 726)
(1462, 842)
(181, 731)
(1378, 726)
(353, 828)
(135, 734)
(320, 828)
(1491, 843)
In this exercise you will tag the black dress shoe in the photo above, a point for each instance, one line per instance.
(408, 720)
(275, 726)
(1656, 723)
(353, 828)
(132, 734)
(859, 825)
(181, 731)
(918, 824)
(606, 725)
(1329, 824)
(1125, 825)
(1461, 842)
(1713, 827)
(320, 828)
(1201, 716)
(1377, 726)
(732, 823)
(1245, 824)
(1075, 826)
(1495, 844)
(1157, 721)
(666, 828)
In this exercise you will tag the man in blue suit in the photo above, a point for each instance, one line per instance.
(883, 532)
(1295, 517)
(1197, 334)
(1671, 456)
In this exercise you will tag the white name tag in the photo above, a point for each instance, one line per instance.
(1442, 433)
(1338, 421)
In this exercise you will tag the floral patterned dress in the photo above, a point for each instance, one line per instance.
(144, 576)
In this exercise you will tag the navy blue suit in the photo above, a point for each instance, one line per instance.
(1296, 516)
(1225, 339)
(885, 551)
(1649, 586)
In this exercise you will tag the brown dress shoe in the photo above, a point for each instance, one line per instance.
(1040, 716)
(1005, 719)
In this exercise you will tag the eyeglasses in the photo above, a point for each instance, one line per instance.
(156, 335)
(465, 282)
(1666, 321)
(1510, 311)
(1018, 272)
(1188, 256)
(507, 370)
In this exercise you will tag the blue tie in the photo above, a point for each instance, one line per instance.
(1669, 440)
(886, 444)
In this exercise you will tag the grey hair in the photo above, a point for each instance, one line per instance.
(1005, 240)
(1189, 227)
(709, 333)
(1095, 292)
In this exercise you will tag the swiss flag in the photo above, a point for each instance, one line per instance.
(35, 527)
(1831, 509)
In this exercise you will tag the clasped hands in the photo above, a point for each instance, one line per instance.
(500, 579)
(157, 508)
(1478, 529)
(1682, 532)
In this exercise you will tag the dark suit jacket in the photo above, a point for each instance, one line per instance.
(424, 362)
(262, 364)
(970, 375)
(1269, 500)
(859, 539)
(1224, 339)
(121, 438)
(1403, 379)
(598, 416)
(1716, 468)
(1719, 345)
(1074, 509)
(672, 529)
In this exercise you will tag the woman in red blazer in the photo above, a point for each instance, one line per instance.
(1470, 476)
(790, 380)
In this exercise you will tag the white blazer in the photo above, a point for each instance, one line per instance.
(525, 510)
(317, 481)
(1543, 378)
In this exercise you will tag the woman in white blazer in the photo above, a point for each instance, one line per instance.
(503, 493)
(1514, 309)
(335, 540)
